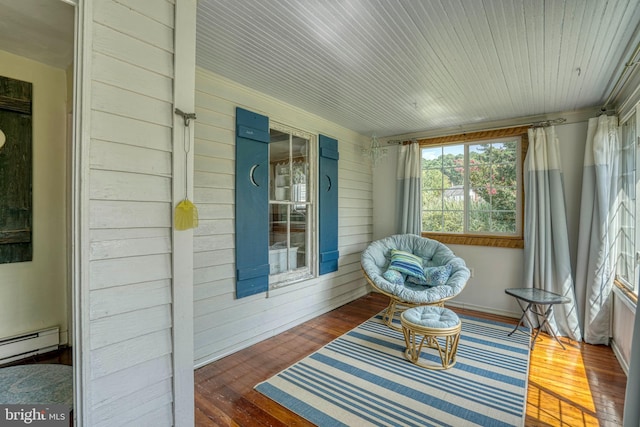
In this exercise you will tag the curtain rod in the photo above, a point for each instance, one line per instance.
(542, 123)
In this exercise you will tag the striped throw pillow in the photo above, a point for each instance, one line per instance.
(407, 263)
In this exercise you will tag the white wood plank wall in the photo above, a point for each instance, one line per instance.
(224, 324)
(130, 213)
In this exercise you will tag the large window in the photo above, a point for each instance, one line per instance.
(472, 190)
(291, 207)
(629, 233)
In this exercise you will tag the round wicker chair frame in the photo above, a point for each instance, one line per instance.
(375, 258)
(397, 305)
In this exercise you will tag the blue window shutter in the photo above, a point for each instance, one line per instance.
(328, 205)
(252, 203)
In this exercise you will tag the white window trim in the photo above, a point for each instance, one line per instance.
(310, 271)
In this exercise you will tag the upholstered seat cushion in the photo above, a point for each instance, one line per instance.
(377, 256)
(429, 316)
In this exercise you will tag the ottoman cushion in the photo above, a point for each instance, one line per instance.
(431, 317)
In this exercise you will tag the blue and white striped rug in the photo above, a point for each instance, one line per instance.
(362, 378)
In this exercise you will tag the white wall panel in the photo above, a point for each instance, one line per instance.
(115, 128)
(129, 186)
(109, 389)
(118, 45)
(112, 301)
(116, 357)
(135, 406)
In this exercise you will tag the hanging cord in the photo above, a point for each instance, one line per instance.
(186, 212)
(187, 147)
(186, 140)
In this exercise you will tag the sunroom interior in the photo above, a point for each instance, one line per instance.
(382, 76)
(373, 76)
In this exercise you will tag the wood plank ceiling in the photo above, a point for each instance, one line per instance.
(399, 66)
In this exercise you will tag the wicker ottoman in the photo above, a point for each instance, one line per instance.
(440, 330)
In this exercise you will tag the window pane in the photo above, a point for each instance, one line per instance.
(298, 237)
(432, 220)
(432, 179)
(279, 160)
(432, 200)
(504, 198)
(300, 169)
(287, 236)
(508, 152)
(453, 221)
(278, 232)
(479, 175)
(504, 174)
(479, 154)
(503, 222)
(432, 157)
(479, 221)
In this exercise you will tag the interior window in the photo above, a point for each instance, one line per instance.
(290, 205)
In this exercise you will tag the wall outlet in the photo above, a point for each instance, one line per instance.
(472, 270)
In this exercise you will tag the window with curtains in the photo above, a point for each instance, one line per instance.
(629, 233)
(472, 189)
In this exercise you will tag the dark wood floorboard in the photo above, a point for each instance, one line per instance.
(581, 386)
(62, 356)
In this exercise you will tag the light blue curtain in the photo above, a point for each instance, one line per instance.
(599, 225)
(409, 201)
(546, 241)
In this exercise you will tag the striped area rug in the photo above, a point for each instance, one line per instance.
(362, 378)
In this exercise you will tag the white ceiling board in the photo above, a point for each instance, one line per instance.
(402, 66)
(41, 30)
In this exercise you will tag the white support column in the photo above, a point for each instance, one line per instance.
(184, 99)
(80, 213)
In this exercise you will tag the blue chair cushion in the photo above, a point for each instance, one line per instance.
(376, 258)
(431, 317)
(394, 276)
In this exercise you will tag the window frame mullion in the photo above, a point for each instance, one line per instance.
(466, 188)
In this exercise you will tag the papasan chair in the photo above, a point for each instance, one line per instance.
(413, 271)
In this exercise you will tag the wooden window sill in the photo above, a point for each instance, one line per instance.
(475, 240)
(626, 292)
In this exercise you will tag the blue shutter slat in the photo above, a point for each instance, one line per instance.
(328, 204)
(255, 134)
(253, 272)
(329, 153)
(252, 203)
(329, 256)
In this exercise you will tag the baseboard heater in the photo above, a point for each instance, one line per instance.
(29, 344)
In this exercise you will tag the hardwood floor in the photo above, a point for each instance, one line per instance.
(580, 386)
(63, 356)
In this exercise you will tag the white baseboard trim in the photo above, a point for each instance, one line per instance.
(623, 363)
(483, 309)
